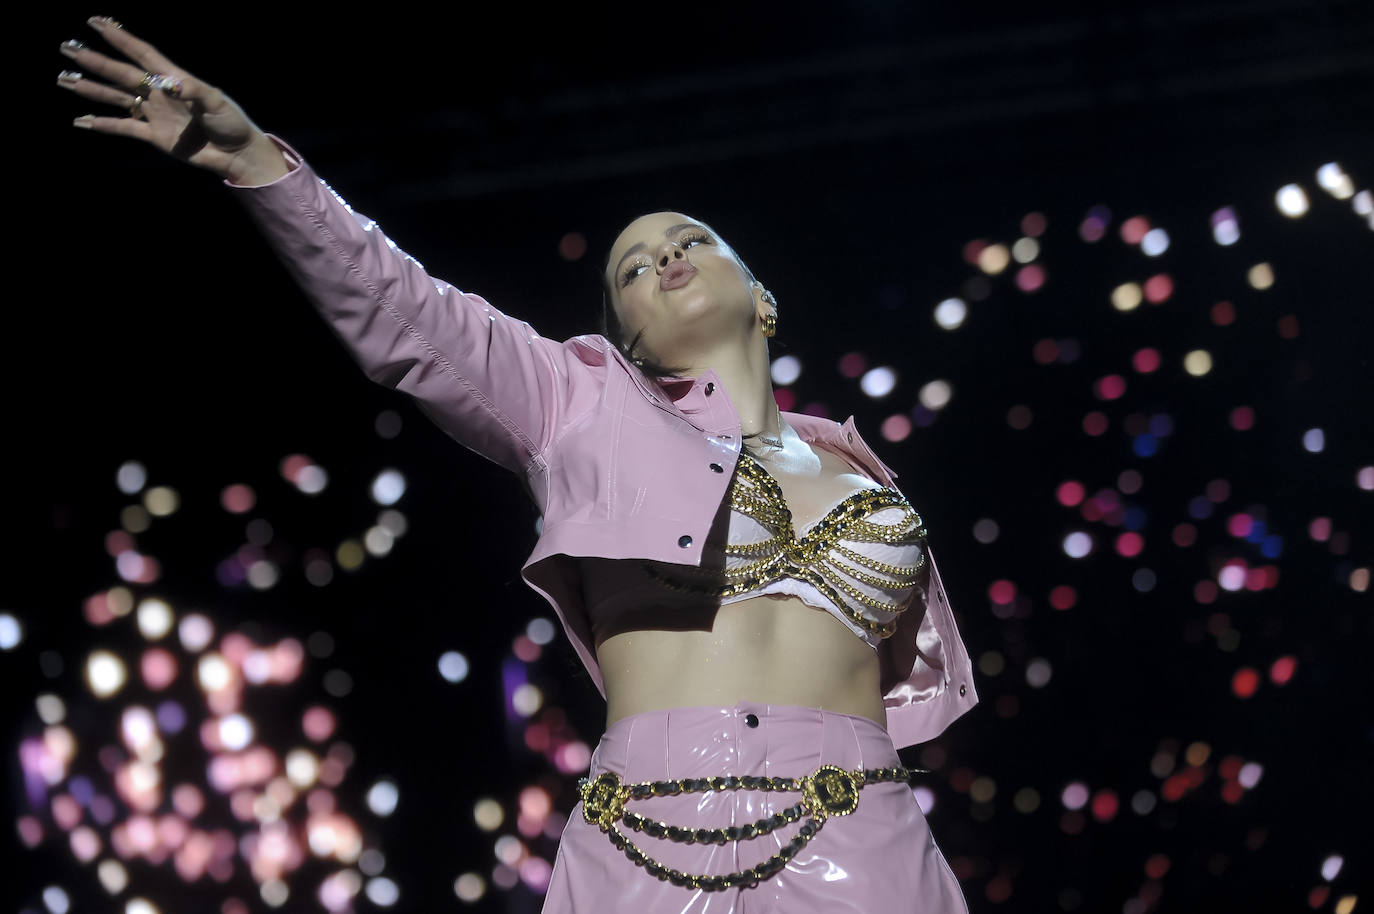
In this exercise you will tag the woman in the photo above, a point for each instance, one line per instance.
(748, 589)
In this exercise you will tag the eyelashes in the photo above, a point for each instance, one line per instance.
(633, 270)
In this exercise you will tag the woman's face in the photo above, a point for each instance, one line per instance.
(675, 280)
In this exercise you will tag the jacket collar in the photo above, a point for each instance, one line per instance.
(681, 396)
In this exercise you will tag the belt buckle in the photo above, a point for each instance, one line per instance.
(603, 799)
(831, 791)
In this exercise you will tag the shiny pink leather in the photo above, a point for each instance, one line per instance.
(879, 859)
(619, 465)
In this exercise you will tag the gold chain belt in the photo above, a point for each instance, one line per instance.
(829, 791)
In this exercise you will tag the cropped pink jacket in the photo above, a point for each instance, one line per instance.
(620, 466)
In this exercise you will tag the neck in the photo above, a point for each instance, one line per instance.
(746, 373)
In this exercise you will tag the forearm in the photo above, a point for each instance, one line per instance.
(486, 378)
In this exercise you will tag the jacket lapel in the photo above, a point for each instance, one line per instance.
(844, 439)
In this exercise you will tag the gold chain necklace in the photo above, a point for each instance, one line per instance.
(774, 443)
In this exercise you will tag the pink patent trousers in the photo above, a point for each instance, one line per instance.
(880, 858)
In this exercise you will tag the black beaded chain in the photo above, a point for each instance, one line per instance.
(829, 791)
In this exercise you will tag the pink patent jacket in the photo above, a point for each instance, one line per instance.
(619, 465)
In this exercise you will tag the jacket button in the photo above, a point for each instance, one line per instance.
(751, 720)
(710, 388)
(850, 436)
(962, 689)
(717, 468)
(684, 541)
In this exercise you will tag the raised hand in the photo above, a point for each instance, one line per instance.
(169, 108)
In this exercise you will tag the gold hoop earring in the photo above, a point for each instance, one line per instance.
(770, 324)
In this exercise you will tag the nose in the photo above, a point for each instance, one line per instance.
(669, 252)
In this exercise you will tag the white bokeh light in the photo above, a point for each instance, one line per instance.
(55, 899)
(1155, 242)
(786, 370)
(1231, 578)
(526, 699)
(388, 487)
(378, 541)
(1335, 181)
(935, 395)
(541, 630)
(311, 480)
(154, 618)
(382, 892)
(11, 632)
(382, 798)
(1078, 544)
(214, 672)
(105, 673)
(469, 887)
(1291, 200)
(951, 313)
(112, 875)
(235, 731)
(195, 632)
(453, 666)
(878, 382)
(131, 477)
(1038, 673)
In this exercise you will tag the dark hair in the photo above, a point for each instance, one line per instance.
(613, 331)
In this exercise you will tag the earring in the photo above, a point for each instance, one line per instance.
(770, 321)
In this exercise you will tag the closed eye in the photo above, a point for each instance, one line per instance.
(688, 239)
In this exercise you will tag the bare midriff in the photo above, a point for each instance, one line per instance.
(768, 649)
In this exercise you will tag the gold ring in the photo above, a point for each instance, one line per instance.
(136, 109)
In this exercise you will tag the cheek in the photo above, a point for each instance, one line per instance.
(634, 311)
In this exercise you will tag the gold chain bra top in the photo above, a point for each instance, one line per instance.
(860, 561)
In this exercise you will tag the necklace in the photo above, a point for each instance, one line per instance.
(774, 443)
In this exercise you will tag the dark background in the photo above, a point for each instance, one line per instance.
(849, 153)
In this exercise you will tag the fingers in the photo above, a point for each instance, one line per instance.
(97, 92)
(136, 49)
(150, 62)
(119, 126)
(121, 74)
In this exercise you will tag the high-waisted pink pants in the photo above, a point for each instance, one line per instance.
(880, 858)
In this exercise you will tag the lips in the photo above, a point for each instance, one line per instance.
(676, 274)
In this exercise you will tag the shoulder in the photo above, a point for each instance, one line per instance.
(592, 348)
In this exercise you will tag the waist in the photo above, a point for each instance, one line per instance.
(771, 650)
(744, 738)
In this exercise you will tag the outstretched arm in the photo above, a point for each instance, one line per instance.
(487, 379)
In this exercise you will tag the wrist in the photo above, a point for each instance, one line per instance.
(260, 162)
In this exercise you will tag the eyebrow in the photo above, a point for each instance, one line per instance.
(641, 246)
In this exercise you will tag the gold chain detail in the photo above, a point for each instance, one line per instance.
(755, 493)
(828, 791)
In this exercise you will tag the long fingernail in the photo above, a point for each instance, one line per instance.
(101, 22)
(68, 78)
(85, 121)
(71, 46)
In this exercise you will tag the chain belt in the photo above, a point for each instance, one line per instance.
(828, 791)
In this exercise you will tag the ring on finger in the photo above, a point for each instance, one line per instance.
(168, 84)
(136, 108)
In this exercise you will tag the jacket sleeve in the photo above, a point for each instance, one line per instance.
(488, 380)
